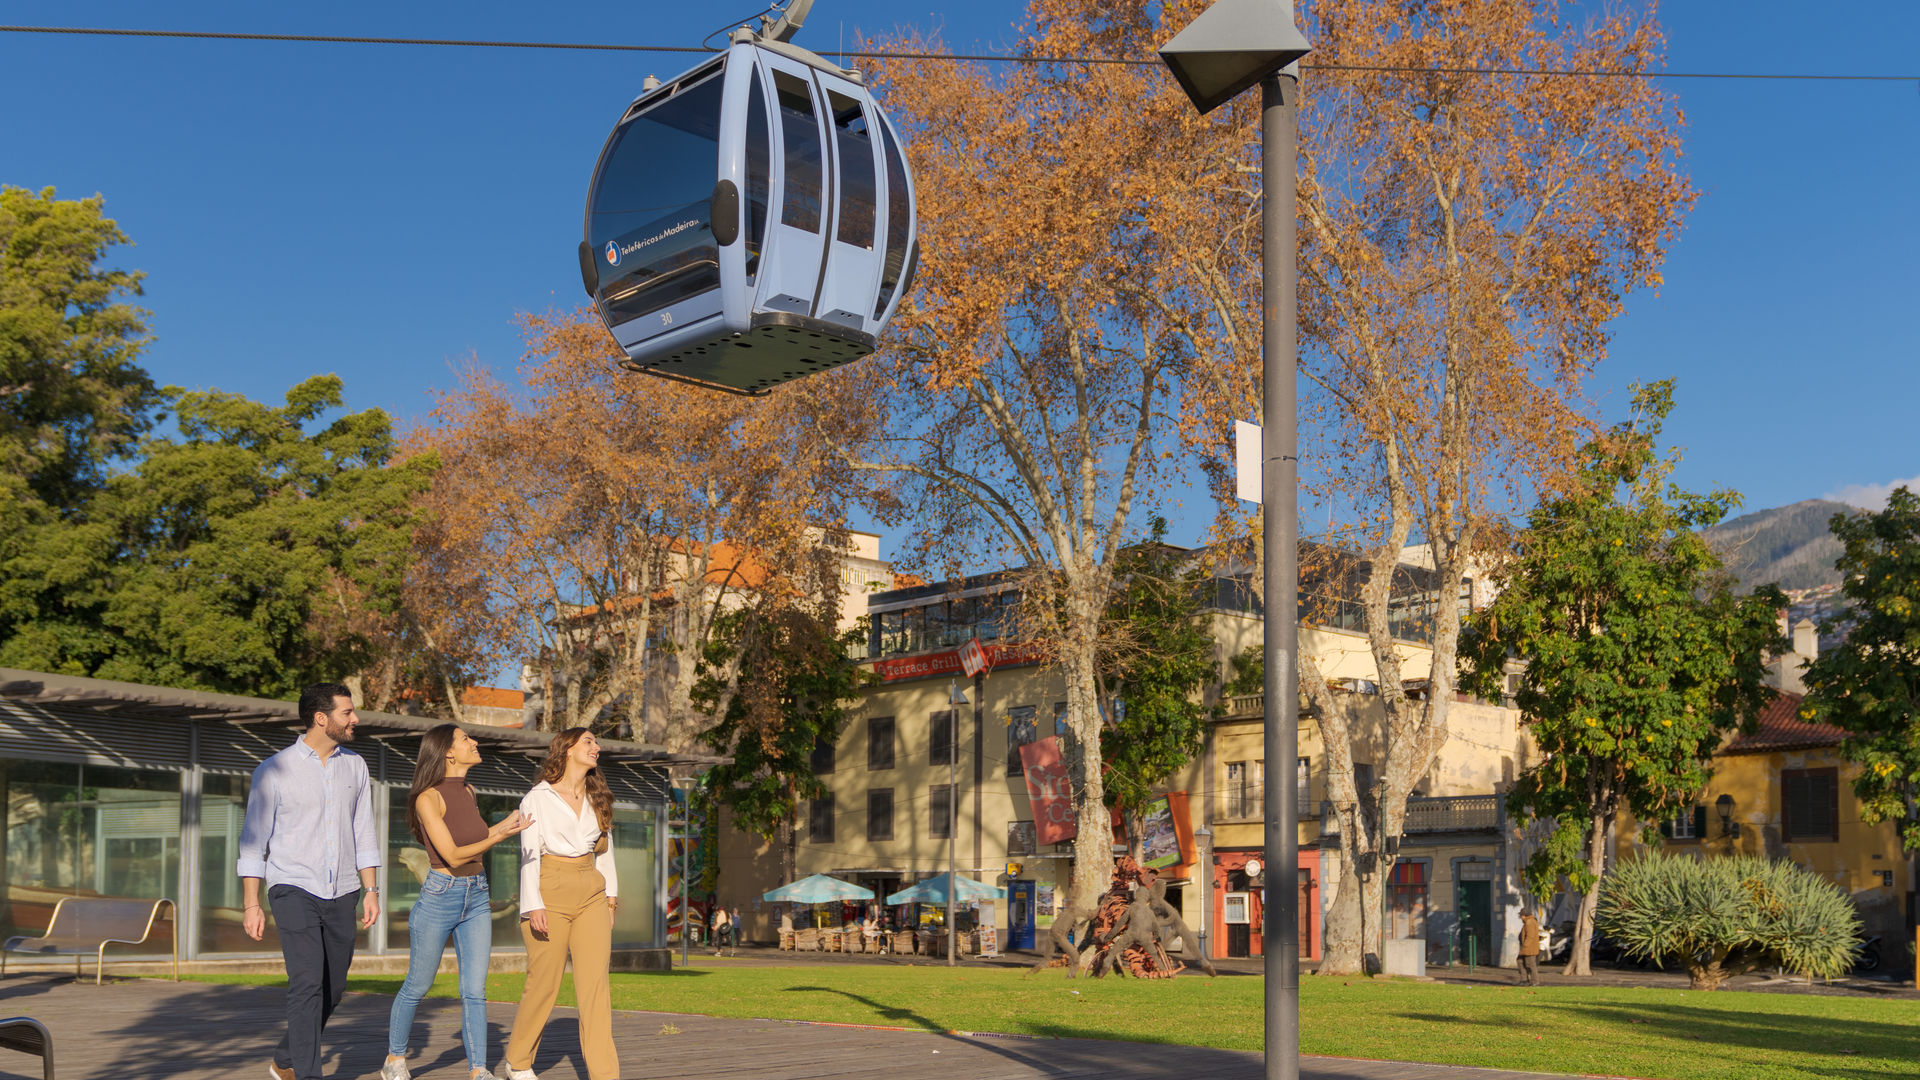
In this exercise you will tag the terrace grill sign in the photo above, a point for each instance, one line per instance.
(930, 665)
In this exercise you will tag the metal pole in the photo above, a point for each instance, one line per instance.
(953, 810)
(1279, 526)
(686, 843)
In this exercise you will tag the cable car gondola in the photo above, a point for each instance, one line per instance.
(750, 221)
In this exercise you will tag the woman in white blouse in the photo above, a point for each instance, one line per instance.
(568, 893)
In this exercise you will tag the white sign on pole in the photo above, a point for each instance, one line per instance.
(1246, 460)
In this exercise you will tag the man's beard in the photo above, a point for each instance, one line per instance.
(339, 731)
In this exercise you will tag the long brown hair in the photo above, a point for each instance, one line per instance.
(428, 770)
(555, 767)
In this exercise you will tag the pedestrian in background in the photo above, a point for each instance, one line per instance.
(1529, 950)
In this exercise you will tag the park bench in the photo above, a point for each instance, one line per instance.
(85, 924)
(28, 1036)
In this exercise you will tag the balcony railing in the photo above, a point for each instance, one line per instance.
(1452, 813)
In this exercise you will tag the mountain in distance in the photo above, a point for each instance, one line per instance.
(1788, 546)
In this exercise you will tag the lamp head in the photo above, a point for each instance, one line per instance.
(1231, 46)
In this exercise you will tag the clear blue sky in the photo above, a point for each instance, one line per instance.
(383, 212)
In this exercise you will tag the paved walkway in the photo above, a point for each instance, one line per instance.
(154, 1028)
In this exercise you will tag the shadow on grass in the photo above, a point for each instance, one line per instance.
(1091, 1053)
(1827, 1042)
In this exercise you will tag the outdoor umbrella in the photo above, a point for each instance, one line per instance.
(818, 889)
(934, 891)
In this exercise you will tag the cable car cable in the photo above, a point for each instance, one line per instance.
(330, 39)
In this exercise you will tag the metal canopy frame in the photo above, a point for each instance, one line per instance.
(167, 704)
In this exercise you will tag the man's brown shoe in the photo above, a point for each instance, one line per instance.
(275, 1072)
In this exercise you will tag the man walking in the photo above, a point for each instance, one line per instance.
(1529, 950)
(309, 833)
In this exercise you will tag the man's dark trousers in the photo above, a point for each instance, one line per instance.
(316, 938)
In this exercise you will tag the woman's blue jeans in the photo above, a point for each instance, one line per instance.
(453, 907)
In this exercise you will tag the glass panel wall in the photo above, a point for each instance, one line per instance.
(407, 869)
(86, 831)
(636, 857)
(223, 810)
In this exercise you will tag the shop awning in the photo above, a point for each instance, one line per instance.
(818, 889)
(934, 891)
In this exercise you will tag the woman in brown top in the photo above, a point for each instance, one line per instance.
(443, 815)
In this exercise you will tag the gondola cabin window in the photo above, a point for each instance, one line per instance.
(857, 192)
(651, 222)
(800, 136)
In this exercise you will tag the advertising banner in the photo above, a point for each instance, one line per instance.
(928, 665)
(1166, 833)
(1051, 789)
(1159, 847)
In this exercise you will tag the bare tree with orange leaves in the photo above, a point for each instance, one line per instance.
(1465, 241)
(1045, 361)
(602, 521)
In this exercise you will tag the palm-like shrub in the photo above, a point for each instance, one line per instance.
(1721, 917)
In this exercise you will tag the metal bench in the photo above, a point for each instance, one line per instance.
(83, 925)
(28, 1036)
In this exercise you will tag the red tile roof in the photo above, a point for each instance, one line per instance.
(1781, 728)
(492, 697)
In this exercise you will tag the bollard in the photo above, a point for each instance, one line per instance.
(1473, 951)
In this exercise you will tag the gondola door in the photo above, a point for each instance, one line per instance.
(790, 279)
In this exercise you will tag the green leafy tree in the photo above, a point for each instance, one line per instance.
(1156, 657)
(256, 551)
(1635, 657)
(795, 679)
(72, 393)
(1721, 917)
(1869, 686)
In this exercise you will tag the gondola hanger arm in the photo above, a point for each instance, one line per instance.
(788, 24)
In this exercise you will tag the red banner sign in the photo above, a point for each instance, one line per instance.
(929, 665)
(1050, 788)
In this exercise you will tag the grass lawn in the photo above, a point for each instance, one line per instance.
(1665, 1034)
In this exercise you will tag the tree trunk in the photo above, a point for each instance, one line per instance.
(1093, 846)
(1340, 938)
(1580, 960)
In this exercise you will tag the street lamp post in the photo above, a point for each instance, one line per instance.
(1225, 51)
(684, 785)
(955, 697)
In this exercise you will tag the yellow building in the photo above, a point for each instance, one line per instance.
(1784, 792)
(889, 817)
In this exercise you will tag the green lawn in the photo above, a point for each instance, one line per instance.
(1667, 1034)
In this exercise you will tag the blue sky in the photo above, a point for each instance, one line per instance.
(384, 212)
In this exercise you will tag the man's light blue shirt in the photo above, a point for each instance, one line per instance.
(310, 822)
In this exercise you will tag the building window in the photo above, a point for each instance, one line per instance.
(1303, 788)
(1811, 798)
(1407, 900)
(880, 814)
(1021, 838)
(820, 820)
(940, 811)
(1022, 728)
(822, 757)
(880, 742)
(1688, 824)
(940, 737)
